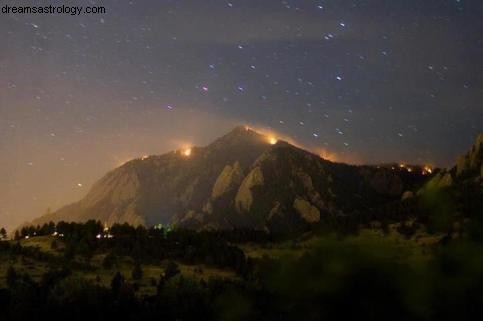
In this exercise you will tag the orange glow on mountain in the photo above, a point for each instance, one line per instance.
(272, 140)
(187, 152)
(271, 136)
(325, 154)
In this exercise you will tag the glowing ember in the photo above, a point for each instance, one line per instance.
(272, 140)
(187, 152)
(325, 154)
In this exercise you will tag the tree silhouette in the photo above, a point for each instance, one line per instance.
(11, 277)
(3, 233)
(117, 282)
(137, 272)
(171, 270)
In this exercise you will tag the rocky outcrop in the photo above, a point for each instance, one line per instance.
(385, 182)
(307, 211)
(467, 171)
(442, 179)
(117, 187)
(244, 197)
(230, 178)
(306, 181)
(407, 195)
(472, 162)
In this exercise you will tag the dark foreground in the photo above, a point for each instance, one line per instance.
(86, 273)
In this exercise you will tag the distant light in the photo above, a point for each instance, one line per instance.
(79, 184)
(272, 140)
(187, 152)
(427, 170)
(98, 236)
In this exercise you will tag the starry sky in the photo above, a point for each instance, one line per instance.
(368, 81)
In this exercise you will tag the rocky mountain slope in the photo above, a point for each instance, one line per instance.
(468, 169)
(241, 180)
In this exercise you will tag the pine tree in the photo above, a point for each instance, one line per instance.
(3, 233)
(117, 282)
(11, 276)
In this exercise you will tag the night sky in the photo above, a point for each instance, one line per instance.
(368, 81)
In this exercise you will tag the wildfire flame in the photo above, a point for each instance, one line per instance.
(187, 152)
(272, 140)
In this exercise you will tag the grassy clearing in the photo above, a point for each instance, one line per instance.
(413, 250)
(44, 243)
(22, 265)
(101, 275)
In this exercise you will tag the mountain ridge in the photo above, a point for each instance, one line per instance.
(243, 179)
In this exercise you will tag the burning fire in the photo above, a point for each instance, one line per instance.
(272, 140)
(187, 152)
(325, 154)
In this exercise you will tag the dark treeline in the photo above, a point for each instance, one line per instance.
(149, 245)
(334, 281)
(60, 295)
